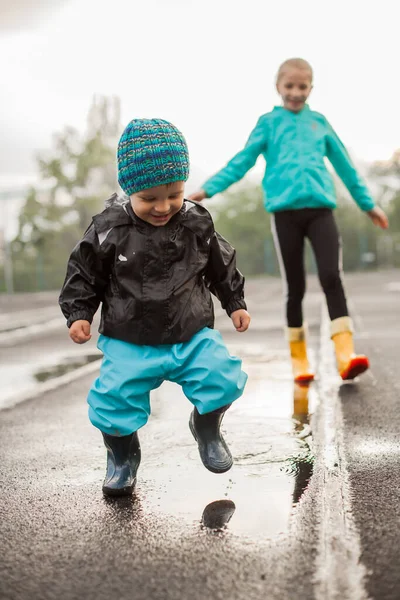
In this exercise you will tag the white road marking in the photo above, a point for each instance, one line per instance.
(11, 338)
(393, 286)
(26, 318)
(339, 571)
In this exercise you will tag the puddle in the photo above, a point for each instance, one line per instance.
(270, 438)
(20, 377)
(67, 365)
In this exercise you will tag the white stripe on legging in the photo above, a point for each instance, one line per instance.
(285, 286)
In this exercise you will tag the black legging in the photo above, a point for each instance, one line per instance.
(290, 228)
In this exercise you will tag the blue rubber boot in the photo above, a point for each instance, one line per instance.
(123, 459)
(213, 449)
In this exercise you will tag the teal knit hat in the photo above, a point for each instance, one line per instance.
(151, 152)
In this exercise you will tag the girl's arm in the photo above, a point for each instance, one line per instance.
(238, 166)
(342, 163)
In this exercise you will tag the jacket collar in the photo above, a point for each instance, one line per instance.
(119, 212)
(305, 109)
(129, 217)
(114, 215)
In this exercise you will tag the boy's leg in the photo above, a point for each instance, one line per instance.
(211, 379)
(288, 229)
(119, 405)
(325, 240)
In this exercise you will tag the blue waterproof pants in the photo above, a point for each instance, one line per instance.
(119, 399)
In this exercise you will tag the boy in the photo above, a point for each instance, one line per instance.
(153, 261)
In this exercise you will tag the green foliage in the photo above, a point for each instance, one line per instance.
(78, 176)
(242, 219)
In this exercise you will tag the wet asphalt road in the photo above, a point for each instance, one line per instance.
(62, 539)
(372, 433)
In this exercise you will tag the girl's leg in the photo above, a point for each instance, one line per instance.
(324, 237)
(325, 241)
(289, 232)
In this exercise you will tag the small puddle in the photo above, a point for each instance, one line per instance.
(21, 377)
(270, 438)
(65, 366)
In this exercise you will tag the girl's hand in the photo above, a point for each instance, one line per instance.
(79, 332)
(378, 217)
(241, 319)
(198, 196)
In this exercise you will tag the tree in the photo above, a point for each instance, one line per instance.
(242, 219)
(386, 175)
(77, 176)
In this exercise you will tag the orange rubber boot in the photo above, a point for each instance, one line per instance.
(349, 364)
(298, 353)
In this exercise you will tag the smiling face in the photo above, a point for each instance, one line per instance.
(294, 85)
(159, 204)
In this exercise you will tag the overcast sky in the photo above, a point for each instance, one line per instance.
(206, 65)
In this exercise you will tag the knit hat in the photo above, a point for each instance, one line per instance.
(151, 152)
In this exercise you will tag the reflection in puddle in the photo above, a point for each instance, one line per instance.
(301, 464)
(217, 515)
(65, 366)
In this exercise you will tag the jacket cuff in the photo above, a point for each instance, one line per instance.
(236, 304)
(208, 190)
(78, 316)
(367, 204)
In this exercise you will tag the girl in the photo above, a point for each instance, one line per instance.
(300, 194)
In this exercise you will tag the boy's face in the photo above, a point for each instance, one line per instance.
(159, 204)
(294, 86)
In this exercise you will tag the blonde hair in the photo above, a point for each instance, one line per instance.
(294, 63)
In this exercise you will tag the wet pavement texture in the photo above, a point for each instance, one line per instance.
(371, 410)
(187, 532)
(65, 540)
(250, 533)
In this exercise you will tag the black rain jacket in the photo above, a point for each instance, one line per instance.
(154, 282)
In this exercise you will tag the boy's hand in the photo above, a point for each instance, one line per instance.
(378, 217)
(241, 319)
(198, 196)
(79, 332)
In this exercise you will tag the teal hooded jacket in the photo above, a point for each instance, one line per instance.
(294, 146)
